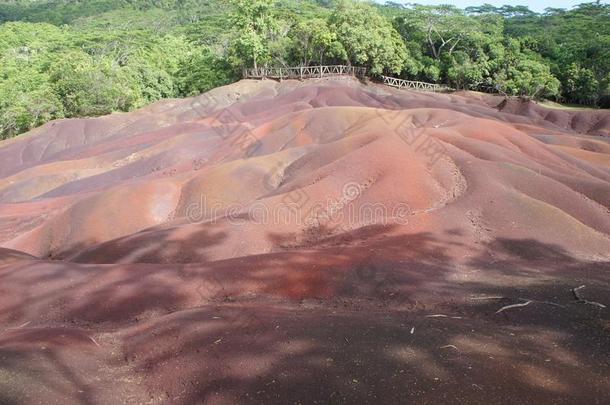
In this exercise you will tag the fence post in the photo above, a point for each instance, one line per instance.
(301, 69)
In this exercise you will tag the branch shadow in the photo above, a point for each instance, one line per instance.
(390, 328)
(366, 317)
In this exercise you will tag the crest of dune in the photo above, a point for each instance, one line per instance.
(229, 163)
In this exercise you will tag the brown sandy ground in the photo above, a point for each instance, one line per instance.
(147, 257)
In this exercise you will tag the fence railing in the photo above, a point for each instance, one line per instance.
(409, 84)
(303, 72)
(309, 72)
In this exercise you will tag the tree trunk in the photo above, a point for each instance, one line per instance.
(434, 52)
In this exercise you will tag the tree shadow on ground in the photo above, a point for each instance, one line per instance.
(400, 329)
(372, 319)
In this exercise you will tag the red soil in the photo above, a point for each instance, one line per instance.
(287, 243)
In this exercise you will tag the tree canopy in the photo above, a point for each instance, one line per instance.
(69, 58)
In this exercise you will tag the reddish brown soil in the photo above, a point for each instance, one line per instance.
(357, 253)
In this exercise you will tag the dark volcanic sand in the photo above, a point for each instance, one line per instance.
(147, 257)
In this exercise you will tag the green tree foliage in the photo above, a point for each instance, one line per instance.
(96, 66)
(580, 84)
(256, 28)
(313, 41)
(201, 71)
(26, 97)
(367, 37)
(451, 47)
(564, 38)
(72, 58)
(26, 101)
(89, 86)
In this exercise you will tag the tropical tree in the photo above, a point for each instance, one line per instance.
(442, 27)
(26, 101)
(524, 73)
(255, 24)
(579, 85)
(201, 71)
(367, 37)
(312, 40)
(87, 86)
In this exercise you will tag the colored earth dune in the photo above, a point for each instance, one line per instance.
(326, 241)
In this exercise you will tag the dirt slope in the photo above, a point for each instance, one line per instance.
(326, 241)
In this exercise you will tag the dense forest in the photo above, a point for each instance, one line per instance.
(74, 58)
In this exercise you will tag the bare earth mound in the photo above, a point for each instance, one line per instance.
(326, 241)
